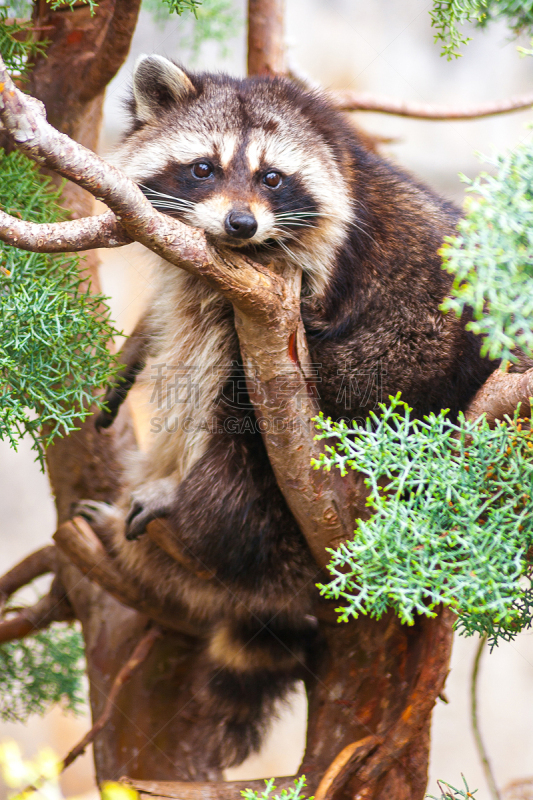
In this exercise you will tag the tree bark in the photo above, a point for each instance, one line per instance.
(266, 37)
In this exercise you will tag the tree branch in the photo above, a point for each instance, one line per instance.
(80, 543)
(196, 790)
(71, 236)
(500, 396)
(33, 566)
(347, 100)
(53, 607)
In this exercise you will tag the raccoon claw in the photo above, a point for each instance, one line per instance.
(138, 518)
(95, 512)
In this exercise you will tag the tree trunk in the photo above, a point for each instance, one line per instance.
(266, 37)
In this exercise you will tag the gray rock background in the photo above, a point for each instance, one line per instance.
(385, 47)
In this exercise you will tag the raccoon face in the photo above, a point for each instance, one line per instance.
(244, 160)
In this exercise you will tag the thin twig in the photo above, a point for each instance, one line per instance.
(482, 752)
(347, 100)
(136, 659)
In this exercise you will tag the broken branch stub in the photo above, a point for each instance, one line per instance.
(500, 396)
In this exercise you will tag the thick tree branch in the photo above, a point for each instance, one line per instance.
(80, 543)
(347, 100)
(501, 395)
(53, 607)
(280, 384)
(71, 236)
(33, 566)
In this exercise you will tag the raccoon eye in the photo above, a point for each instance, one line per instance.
(272, 179)
(202, 169)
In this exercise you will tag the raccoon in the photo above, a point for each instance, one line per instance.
(272, 170)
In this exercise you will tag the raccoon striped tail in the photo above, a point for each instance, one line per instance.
(252, 666)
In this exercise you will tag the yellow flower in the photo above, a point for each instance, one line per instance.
(117, 791)
(14, 770)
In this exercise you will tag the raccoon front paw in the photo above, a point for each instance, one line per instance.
(153, 501)
(139, 516)
(96, 513)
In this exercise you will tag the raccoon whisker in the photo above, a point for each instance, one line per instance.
(294, 223)
(303, 210)
(362, 230)
(295, 216)
(287, 249)
(289, 222)
(168, 200)
(168, 206)
(284, 235)
(161, 194)
(359, 227)
(297, 213)
(147, 191)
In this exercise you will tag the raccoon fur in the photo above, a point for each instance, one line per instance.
(267, 167)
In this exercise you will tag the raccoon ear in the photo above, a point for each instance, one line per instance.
(157, 83)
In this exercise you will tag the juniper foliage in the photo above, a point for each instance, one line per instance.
(212, 20)
(38, 672)
(448, 15)
(54, 332)
(180, 6)
(449, 792)
(451, 520)
(16, 48)
(292, 793)
(491, 258)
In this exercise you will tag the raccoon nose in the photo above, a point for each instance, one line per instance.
(240, 224)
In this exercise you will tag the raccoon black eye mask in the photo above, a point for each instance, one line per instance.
(264, 164)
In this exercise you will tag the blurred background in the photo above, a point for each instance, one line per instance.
(385, 47)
